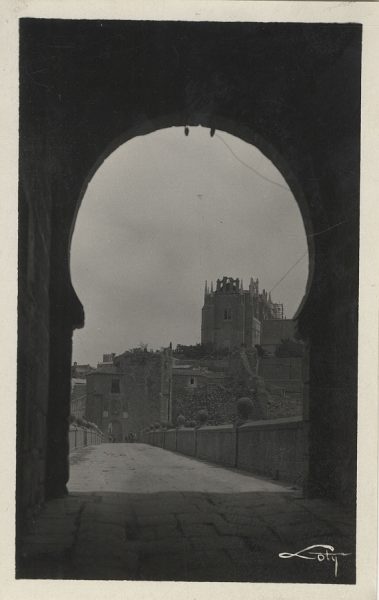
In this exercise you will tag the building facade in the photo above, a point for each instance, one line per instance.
(80, 371)
(274, 331)
(124, 393)
(78, 397)
(106, 402)
(232, 316)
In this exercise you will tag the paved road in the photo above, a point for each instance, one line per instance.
(137, 512)
(138, 468)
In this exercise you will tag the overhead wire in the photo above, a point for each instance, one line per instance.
(289, 270)
(273, 183)
(311, 235)
(283, 187)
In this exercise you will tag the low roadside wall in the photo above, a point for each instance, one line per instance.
(186, 441)
(158, 436)
(79, 437)
(170, 439)
(275, 448)
(217, 444)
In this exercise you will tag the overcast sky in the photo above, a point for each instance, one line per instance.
(164, 213)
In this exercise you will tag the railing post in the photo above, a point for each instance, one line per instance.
(236, 441)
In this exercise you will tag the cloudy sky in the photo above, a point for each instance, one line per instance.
(166, 212)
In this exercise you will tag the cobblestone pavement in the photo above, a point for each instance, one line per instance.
(135, 512)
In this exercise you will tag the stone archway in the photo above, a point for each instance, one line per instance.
(248, 79)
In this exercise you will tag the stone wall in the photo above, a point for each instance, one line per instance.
(275, 448)
(217, 444)
(79, 437)
(216, 399)
(284, 401)
(274, 331)
(277, 393)
(186, 441)
(170, 437)
(34, 339)
(283, 381)
(275, 368)
(158, 438)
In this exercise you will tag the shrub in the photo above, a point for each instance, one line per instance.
(202, 417)
(192, 423)
(180, 421)
(244, 408)
(262, 353)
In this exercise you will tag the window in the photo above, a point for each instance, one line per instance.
(115, 388)
(227, 314)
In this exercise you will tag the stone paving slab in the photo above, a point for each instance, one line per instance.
(179, 535)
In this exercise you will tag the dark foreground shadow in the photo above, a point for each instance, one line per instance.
(190, 536)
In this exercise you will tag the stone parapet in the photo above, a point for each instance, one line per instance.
(275, 448)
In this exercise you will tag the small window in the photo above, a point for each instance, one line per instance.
(115, 389)
(227, 314)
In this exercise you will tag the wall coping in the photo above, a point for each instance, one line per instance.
(226, 426)
(73, 427)
(184, 429)
(281, 423)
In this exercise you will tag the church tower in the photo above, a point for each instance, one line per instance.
(232, 316)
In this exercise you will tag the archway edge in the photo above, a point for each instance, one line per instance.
(296, 84)
(245, 133)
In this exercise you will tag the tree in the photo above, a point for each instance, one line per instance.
(202, 417)
(199, 351)
(261, 351)
(244, 408)
(180, 421)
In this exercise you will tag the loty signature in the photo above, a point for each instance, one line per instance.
(319, 552)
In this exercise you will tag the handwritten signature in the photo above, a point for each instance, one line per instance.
(319, 552)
